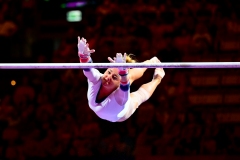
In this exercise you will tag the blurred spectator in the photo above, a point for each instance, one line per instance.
(202, 39)
(24, 92)
(8, 111)
(233, 25)
(183, 42)
(193, 5)
(7, 30)
(106, 8)
(169, 53)
(66, 50)
(148, 130)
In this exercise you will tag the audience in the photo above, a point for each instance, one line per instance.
(45, 115)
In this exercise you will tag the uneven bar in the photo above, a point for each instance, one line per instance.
(116, 65)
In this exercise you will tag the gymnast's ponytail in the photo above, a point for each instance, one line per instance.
(130, 59)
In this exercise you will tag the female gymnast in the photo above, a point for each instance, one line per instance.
(109, 93)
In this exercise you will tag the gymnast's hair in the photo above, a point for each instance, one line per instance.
(130, 59)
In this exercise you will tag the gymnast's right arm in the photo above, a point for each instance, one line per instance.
(84, 54)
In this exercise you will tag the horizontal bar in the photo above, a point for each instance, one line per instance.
(116, 65)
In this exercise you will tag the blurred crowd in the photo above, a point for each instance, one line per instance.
(46, 115)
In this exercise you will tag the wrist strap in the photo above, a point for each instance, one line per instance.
(123, 72)
(85, 59)
(80, 54)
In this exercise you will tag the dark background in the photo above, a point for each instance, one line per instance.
(193, 114)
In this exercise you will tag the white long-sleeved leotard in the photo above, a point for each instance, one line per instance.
(116, 107)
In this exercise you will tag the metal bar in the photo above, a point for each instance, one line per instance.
(116, 65)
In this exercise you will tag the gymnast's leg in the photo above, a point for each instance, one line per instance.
(143, 94)
(147, 89)
(136, 73)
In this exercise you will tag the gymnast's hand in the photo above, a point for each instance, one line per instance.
(119, 59)
(83, 48)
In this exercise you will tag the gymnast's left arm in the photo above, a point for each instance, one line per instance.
(122, 94)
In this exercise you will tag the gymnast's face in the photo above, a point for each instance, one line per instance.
(111, 79)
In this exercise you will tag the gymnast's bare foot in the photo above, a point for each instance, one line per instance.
(159, 72)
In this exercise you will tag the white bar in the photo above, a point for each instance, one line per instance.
(116, 65)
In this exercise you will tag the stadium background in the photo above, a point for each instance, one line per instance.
(194, 114)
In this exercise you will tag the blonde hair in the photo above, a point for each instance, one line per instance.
(130, 59)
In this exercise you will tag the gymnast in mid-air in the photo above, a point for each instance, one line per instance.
(109, 93)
